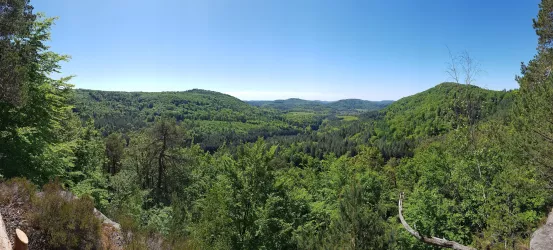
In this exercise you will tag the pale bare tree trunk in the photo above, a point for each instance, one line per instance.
(434, 241)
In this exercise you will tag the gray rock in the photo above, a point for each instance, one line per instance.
(542, 239)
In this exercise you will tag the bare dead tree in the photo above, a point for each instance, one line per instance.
(430, 240)
(452, 69)
(471, 68)
(462, 66)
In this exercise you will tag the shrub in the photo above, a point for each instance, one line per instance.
(68, 222)
(17, 190)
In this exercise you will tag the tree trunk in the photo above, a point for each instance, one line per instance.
(161, 166)
(434, 241)
(112, 168)
(21, 241)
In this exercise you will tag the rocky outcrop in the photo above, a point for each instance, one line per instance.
(14, 217)
(4, 239)
(542, 239)
(105, 220)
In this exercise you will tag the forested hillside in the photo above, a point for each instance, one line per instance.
(134, 110)
(212, 118)
(442, 108)
(348, 105)
(354, 106)
(400, 127)
(203, 170)
(291, 104)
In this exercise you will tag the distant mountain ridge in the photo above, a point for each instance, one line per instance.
(316, 105)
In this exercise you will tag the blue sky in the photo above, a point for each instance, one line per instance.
(275, 49)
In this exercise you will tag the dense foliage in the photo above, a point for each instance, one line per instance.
(204, 170)
(346, 105)
(443, 108)
(213, 118)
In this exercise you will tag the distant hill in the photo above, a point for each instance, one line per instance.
(290, 104)
(209, 113)
(140, 107)
(212, 116)
(347, 105)
(438, 109)
(397, 129)
(357, 104)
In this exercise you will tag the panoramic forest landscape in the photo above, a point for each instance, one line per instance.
(456, 166)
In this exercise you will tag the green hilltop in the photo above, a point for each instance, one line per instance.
(439, 109)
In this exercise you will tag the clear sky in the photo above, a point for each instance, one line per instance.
(275, 49)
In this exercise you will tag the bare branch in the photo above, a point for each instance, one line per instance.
(462, 66)
(471, 68)
(452, 69)
(434, 241)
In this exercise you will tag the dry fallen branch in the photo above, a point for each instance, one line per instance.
(434, 241)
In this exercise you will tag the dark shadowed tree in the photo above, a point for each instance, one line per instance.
(114, 152)
(166, 138)
(16, 54)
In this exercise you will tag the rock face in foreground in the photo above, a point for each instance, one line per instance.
(4, 240)
(542, 239)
